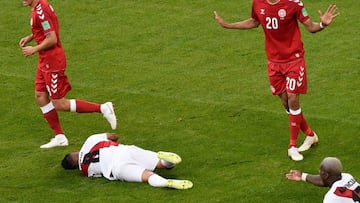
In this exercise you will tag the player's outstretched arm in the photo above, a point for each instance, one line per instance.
(245, 24)
(297, 175)
(325, 19)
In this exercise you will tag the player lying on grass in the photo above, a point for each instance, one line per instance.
(343, 187)
(102, 156)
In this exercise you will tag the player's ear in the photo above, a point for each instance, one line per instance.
(325, 175)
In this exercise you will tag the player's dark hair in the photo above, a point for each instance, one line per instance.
(67, 162)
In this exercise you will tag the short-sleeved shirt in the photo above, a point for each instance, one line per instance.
(43, 21)
(96, 156)
(280, 24)
(100, 157)
(346, 190)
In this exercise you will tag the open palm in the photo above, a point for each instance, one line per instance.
(329, 15)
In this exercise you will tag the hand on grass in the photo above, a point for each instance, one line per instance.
(294, 175)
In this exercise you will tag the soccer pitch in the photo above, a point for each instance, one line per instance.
(179, 83)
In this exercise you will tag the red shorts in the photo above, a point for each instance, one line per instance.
(56, 84)
(289, 77)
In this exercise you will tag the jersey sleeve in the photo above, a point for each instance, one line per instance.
(43, 15)
(253, 12)
(301, 13)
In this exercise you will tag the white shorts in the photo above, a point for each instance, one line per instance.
(129, 163)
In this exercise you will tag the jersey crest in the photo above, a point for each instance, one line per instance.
(282, 13)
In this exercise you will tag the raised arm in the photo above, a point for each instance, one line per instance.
(297, 175)
(325, 20)
(245, 24)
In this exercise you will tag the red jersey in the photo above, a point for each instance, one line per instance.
(280, 24)
(43, 21)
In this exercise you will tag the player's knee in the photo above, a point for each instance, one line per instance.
(145, 175)
(61, 104)
(41, 98)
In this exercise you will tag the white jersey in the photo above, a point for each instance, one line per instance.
(95, 156)
(346, 190)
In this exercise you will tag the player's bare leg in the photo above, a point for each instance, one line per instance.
(295, 122)
(284, 100)
(51, 116)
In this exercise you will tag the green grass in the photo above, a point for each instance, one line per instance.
(180, 83)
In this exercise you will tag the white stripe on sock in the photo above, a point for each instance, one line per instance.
(72, 105)
(295, 112)
(47, 108)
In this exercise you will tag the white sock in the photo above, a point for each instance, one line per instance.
(60, 137)
(157, 181)
(103, 108)
(72, 105)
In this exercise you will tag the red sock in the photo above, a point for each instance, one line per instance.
(87, 107)
(295, 122)
(52, 119)
(305, 127)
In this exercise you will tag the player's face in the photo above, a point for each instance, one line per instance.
(324, 175)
